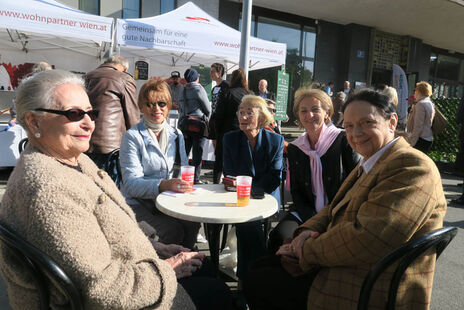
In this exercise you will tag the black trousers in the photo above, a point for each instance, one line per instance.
(269, 287)
(197, 145)
(218, 156)
(284, 230)
(207, 292)
(423, 145)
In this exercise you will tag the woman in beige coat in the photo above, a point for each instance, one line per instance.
(419, 126)
(59, 201)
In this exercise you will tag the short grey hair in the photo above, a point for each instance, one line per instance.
(38, 92)
(116, 59)
(41, 66)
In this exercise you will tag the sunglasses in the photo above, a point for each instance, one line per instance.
(74, 115)
(272, 110)
(152, 105)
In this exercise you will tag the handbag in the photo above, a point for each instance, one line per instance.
(439, 123)
(194, 126)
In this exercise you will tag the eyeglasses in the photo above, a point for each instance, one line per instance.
(74, 115)
(271, 110)
(245, 114)
(152, 105)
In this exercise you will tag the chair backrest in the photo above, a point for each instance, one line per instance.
(113, 168)
(42, 268)
(22, 144)
(405, 254)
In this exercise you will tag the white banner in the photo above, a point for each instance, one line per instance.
(401, 84)
(51, 17)
(192, 30)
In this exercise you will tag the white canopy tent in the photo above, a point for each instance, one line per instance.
(46, 30)
(189, 36)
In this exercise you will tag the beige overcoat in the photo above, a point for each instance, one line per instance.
(82, 222)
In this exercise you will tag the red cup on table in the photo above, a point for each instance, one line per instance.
(243, 190)
(187, 174)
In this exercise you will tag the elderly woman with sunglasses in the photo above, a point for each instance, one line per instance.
(147, 156)
(255, 152)
(58, 201)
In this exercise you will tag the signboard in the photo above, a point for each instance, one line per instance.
(205, 78)
(283, 82)
(141, 70)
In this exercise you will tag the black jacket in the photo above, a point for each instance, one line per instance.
(337, 164)
(226, 110)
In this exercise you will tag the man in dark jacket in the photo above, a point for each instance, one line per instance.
(111, 91)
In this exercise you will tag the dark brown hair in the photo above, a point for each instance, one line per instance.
(238, 79)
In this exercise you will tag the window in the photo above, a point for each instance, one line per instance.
(309, 42)
(167, 6)
(280, 31)
(90, 6)
(447, 67)
(131, 9)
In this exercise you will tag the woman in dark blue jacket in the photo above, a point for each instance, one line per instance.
(255, 152)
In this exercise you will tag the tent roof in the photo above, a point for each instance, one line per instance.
(190, 35)
(53, 18)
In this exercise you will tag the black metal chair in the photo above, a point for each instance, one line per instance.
(42, 268)
(113, 168)
(22, 144)
(405, 254)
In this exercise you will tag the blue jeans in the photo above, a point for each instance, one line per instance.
(198, 145)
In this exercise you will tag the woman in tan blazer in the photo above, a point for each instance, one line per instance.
(58, 201)
(394, 195)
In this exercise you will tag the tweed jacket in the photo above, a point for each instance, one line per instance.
(337, 164)
(400, 199)
(264, 163)
(83, 223)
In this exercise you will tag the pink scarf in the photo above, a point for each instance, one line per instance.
(326, 138)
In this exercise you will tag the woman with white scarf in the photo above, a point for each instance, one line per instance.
(318, 162)
(147, 156)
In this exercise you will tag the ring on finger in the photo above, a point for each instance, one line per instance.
(179, 186)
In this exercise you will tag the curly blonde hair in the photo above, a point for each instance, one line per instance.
(251, 101)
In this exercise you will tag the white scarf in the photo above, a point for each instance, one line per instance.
(164, 135)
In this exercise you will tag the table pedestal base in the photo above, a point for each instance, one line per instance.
(213, 234)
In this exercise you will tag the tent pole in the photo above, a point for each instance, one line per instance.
(246, 27)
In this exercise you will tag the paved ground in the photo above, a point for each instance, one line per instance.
(448, 291)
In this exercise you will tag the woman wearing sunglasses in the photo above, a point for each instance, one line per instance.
(58, 201)
(147, 156)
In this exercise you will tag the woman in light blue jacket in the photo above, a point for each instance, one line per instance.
(147, 156)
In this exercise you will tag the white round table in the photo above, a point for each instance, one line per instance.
(214, 206)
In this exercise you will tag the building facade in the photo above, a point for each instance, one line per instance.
(317, 49)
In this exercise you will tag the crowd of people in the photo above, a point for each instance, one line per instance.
(360, 188)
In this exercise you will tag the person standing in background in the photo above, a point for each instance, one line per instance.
(112, 92)
(347, 88)
(329, 88)
(38, 67)
(216, 73)
(263, 92)
(176, 89)
(226, 115)
(194, 102)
